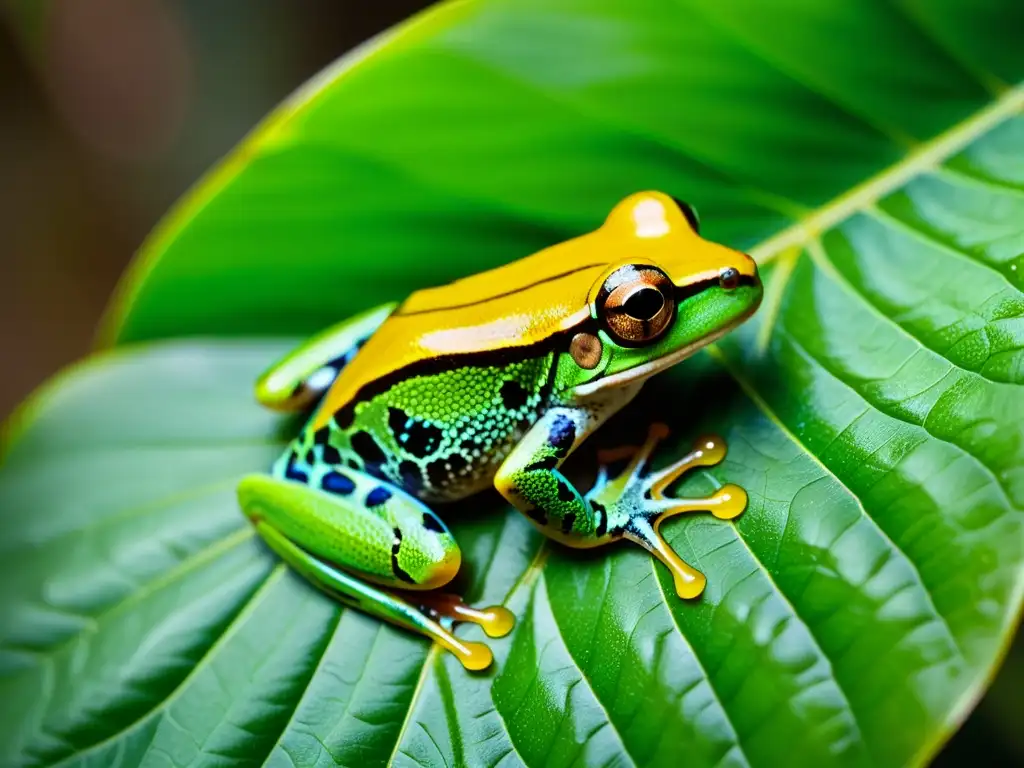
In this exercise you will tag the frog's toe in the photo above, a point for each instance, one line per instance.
(729, 502)
(691, 586)
(474, 656)
(495, 620)
(448, 609)
(725, 504)
(689, 581)
(707, 451)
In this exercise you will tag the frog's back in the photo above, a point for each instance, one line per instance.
(515, 311)
(443, 390)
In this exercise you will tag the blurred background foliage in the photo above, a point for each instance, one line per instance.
(112, 108)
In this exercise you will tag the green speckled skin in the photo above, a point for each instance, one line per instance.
(439, 436)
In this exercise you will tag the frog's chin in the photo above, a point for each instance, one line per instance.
(643, 372)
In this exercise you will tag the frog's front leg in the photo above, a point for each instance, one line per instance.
(296, 381)
(530, 478)
(361, 540)
(629, 506)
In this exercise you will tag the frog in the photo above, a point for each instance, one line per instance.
(493, 381)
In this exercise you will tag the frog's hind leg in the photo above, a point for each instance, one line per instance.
(362, 541)
(373, 600)
(638, 500)
(298, 380)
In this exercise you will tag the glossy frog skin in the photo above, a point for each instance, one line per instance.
(495, 378)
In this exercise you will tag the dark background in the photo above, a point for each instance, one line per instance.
(113, 108)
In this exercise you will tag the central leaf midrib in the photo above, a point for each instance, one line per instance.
(870, 191)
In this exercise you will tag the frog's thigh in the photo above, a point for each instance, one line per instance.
(364, 526)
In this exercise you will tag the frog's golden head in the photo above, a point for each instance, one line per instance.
(664, 291)
(658, 260)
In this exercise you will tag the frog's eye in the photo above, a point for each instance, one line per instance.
(690, 213)
(636, 304)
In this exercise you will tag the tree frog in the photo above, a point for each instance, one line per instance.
(495, 379)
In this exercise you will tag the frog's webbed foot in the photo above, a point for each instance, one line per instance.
(635, 504)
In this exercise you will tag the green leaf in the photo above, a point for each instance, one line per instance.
(867, 154)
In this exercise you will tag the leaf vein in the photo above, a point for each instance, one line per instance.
(578, 668)
(821, 258)
(257, 597)
(930, 239)
(703, 670)
(923, 157)
(279, 742)
(795, 615)
(881, 408)
(748, 388)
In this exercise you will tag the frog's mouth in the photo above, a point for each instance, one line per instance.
(645, 371)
